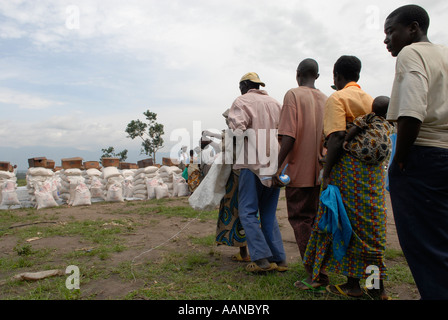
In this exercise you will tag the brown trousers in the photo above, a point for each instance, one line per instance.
(302, 205)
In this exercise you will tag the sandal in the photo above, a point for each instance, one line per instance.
(282, 268)
(239, 258)
(253, 267)
(341, 292)
(320, 288)
(376, 294)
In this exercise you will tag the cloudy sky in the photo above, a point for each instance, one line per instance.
(75, 73)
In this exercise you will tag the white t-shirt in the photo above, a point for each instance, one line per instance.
(420, 90)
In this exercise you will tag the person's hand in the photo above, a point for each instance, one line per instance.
(276, 182)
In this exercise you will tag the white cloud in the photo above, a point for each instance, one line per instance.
(25, 101)
(181, 59)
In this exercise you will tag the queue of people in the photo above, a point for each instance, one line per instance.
(342, 143)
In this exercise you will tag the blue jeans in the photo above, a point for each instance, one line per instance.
(263, 236)
(419, 197)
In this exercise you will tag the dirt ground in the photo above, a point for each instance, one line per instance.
(141, 245)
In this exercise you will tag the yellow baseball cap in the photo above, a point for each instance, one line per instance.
(252, 76)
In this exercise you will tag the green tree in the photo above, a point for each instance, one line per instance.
(151, 133)
(110, 153)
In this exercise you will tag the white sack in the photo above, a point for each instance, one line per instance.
(212, 189)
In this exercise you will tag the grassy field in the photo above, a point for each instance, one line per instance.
(103, 244)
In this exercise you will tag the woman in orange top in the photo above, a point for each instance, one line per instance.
(362, 191)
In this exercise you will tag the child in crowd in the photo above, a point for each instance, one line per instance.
(368, 139)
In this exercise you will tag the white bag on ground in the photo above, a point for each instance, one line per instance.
(82, 195)
(44, 197)
(151, 185)
(115, 193)
(182, 189)
(128, 188)
(212, 189)
(96, 188)
(9, 194)
(162, 191)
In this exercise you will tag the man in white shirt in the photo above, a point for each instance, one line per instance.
(419, 172)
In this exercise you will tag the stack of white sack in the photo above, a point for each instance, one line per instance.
(70, 179)
(93, 180)
(8, 187)
(128, 183)
(157, 189)
(43, 187)
(112, 180)
(166, 174)
(180, 186)
(141, 175)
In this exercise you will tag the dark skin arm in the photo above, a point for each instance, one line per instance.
(407, 131)
(334, 153)
(353, 132)
(287, 143)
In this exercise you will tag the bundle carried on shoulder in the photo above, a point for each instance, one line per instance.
(212, 189)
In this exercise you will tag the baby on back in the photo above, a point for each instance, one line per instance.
(368, 138)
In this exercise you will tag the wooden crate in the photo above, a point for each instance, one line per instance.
(37, 162)
(5, 166)
(169, 162)
(110, 162)
(127, 165)
(50, 164)
(145, 163)
(71, 163)
(92, 165)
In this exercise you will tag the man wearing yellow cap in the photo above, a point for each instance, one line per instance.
(253, 119)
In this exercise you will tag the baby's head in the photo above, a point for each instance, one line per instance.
(380, 105)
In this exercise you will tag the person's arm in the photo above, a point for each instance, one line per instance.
(407, 131)
(334, 153)
(287, 143)
(351, 133)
